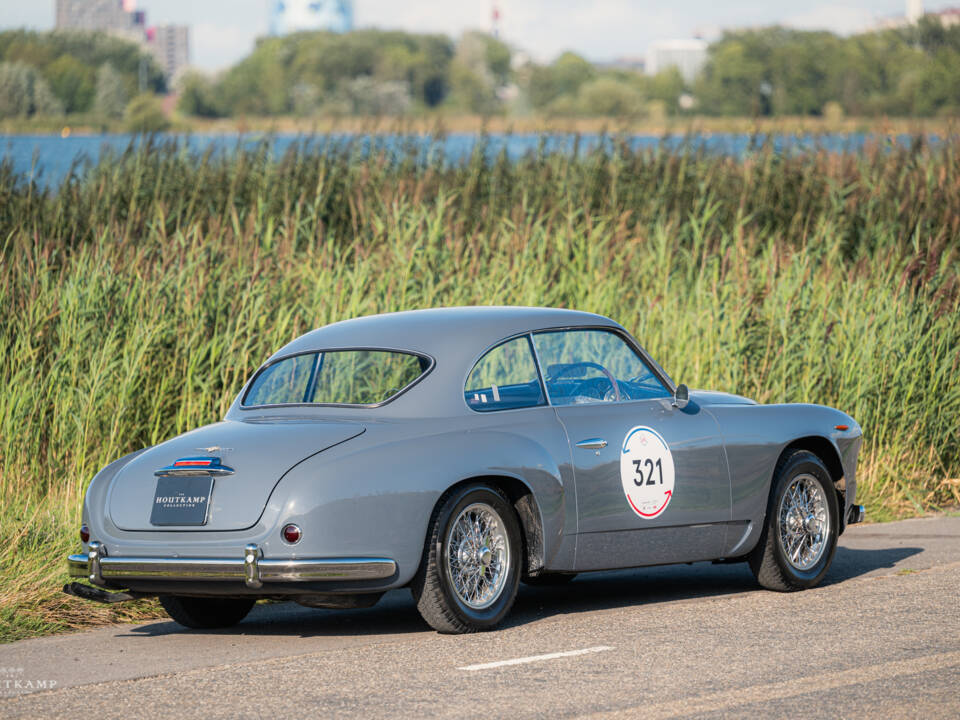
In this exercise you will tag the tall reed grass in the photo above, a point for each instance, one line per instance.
(138, 295)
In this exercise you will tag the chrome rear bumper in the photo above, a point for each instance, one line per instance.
(98, 568)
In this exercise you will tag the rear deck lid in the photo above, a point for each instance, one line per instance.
(218, 477)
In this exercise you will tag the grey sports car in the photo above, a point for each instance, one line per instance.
(459, 452)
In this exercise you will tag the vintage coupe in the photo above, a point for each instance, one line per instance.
(457, 452)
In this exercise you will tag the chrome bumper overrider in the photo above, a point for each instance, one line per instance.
(99, 568)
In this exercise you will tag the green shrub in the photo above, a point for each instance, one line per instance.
(111, 96)
(144, 114)
(24, 92)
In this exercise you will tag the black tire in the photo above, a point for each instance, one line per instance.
(549, 579)
(768, 560)
(206, 613)
(432, 587)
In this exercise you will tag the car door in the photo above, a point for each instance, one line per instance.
(652, 483)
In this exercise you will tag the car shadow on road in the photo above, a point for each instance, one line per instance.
(396, 613)
(850, 563)
(649, 586)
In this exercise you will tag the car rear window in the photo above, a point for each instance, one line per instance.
(336, 377)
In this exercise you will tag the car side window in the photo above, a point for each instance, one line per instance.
(505, 379)
(591, 366)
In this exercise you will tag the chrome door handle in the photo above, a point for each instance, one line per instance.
(592, 444)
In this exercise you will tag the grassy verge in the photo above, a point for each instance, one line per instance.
(136, 297)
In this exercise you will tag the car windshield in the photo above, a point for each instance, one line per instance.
(336, 377)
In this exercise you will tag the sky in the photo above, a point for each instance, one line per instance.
(223, 31)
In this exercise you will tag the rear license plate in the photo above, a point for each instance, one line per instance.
(181, 500)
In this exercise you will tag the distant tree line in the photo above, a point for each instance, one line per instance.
(395, 73)
(87, 73)
(772, 71)
(775, 71)
(363, 72)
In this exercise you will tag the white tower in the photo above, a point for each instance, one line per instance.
(914, 11)
(289, 16)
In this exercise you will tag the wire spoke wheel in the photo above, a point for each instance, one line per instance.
(803, 521)
(468, 579)
(478, 556)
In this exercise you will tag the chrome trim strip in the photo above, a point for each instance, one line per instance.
(252, 569)
(332, 569)
(215, 470)
(536, 361)
(592, 444)
(174, 568)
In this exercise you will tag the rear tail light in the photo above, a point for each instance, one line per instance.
(291, 534)
(84, 533)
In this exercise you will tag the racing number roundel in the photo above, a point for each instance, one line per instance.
(646, 471)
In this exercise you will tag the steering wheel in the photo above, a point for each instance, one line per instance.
(570, 367)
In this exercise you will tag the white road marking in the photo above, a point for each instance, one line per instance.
(536, 658)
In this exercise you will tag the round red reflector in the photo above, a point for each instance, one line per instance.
(84, 533)
(292, 534)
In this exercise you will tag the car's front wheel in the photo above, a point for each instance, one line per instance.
(800, 536)
(470, 571)
(206, 612)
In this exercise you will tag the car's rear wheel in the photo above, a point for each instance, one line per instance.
(800, 535)
(470, 570)
(205, 612)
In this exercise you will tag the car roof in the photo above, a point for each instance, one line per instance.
(443, 333)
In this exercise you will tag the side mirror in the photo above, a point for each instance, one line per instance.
(681, 396)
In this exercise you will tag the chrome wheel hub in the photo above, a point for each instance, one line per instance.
(478, 556)
(804, 522)
(486, 556)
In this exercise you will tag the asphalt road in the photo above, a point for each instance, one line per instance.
(880, 637)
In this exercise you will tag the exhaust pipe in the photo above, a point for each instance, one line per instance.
(856, 514)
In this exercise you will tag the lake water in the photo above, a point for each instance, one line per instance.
(49, 158)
